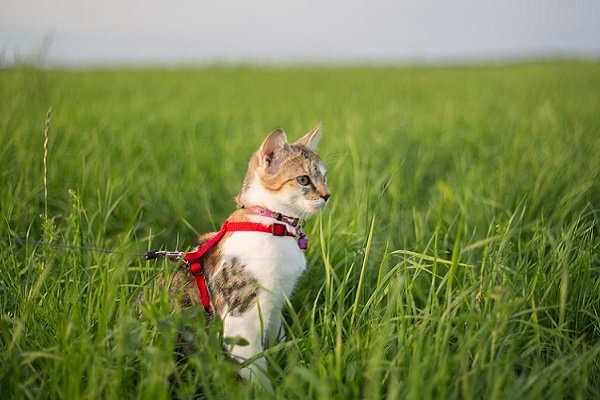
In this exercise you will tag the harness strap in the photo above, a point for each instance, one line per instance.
(193, 258)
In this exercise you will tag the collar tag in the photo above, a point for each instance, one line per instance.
(302, 241)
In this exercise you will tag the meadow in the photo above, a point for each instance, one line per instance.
(459, 256)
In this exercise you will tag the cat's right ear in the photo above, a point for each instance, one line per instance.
(271, 147)
(311, 139)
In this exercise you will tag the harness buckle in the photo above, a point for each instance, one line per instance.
(278, 229)
(196, 268)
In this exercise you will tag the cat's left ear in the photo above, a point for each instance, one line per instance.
(269, 152)
(311, 139)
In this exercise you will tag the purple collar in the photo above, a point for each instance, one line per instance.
(292, 221)
(275, 215)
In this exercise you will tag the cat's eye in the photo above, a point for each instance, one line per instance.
(304, 180)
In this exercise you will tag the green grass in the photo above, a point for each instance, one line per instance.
(459, 258)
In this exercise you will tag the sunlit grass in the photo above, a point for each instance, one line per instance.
(459, 257)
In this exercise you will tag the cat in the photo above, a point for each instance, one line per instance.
(248, 274)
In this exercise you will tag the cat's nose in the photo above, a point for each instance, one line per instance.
(326, 196)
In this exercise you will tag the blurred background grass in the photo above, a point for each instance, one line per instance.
(459, 256)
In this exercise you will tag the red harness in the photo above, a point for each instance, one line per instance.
(193, 258)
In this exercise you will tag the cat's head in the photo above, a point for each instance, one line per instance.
(288, 178)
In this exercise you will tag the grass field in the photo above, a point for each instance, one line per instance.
(459, 257)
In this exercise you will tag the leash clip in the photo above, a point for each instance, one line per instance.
(171, 255)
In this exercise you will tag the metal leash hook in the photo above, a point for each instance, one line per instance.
(171, 255)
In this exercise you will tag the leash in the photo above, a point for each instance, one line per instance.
(40, 243)
(148, 255)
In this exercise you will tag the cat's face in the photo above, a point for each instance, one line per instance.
(287, 178)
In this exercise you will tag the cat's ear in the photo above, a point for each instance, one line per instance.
(275, 143)
(311, 139)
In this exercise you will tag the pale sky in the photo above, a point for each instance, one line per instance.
(85, 32)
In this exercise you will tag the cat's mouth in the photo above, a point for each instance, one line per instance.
(315, 206)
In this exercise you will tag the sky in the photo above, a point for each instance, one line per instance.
(197, 32)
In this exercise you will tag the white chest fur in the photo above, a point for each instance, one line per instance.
(276, 262)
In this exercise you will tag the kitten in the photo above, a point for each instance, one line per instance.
(249, 273)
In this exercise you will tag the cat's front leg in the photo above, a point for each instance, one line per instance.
(245, 333)
(276, 332)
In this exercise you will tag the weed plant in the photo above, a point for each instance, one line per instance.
(459, 257)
